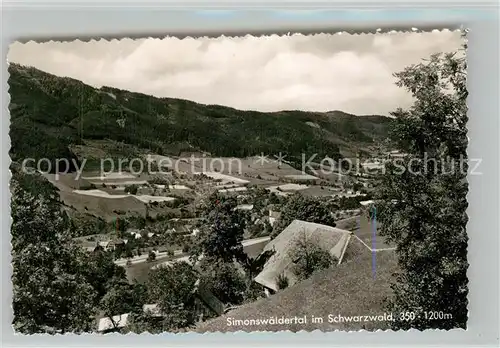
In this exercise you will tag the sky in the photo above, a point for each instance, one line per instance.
(322, 72)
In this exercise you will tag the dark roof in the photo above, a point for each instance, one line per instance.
(210, 299)
(117, 241)
(254, 247)
(347, 289)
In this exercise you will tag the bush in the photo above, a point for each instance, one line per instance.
(282, 281)
(151, 256)
(132, 189)
(308, 257)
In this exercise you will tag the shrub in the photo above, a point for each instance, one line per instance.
(282, 281)
(151, 256)
(308, 257)
(132, 189)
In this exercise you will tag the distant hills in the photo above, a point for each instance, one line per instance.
(59, 117)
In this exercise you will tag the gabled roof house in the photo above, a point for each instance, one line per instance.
(333, 239)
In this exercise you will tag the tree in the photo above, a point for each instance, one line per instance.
(101, 272)
(422, 208)
(299, 207)
(51, 293)
(221, 235)
(132, 189)
(255, 230)
(128, 250)
(260, 198)
(151, 256)
(120, 226)
(117, 253)
(118, 300)
(268, 229)
(224, 280)
(308, 256)
(173, 288)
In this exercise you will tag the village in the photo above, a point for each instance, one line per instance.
(154, 218)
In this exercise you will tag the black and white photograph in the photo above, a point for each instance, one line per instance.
(240, 183)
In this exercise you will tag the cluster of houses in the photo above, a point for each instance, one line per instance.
(104, 245)
(111, 244)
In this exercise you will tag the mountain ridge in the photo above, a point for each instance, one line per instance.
(50, 114)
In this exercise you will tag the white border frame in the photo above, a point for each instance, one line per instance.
(64, 20)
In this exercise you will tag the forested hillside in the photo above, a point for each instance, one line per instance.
(50, 114)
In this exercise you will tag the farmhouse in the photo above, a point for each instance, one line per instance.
(329, 238)
(273, 216)
(246, 207)
(92, 247)
(367, 203)
(105, 245)
(114, 323)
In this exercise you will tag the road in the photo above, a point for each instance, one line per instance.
(143, 258)
(178, 254)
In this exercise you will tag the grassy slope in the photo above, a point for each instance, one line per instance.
(50, 115)
(348, 289)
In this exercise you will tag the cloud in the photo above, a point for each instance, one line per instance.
(353, 73)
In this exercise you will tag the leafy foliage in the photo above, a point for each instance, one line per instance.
(121, 298)
(308, 257)
(173, 289)
(151, 256)
(282, 281)
(132, 189)
(101, 272)
(57, 287)
(224, 280)
(351, 202)
(299, 207)
(51, 293)
(221, 235)
(424, 209)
